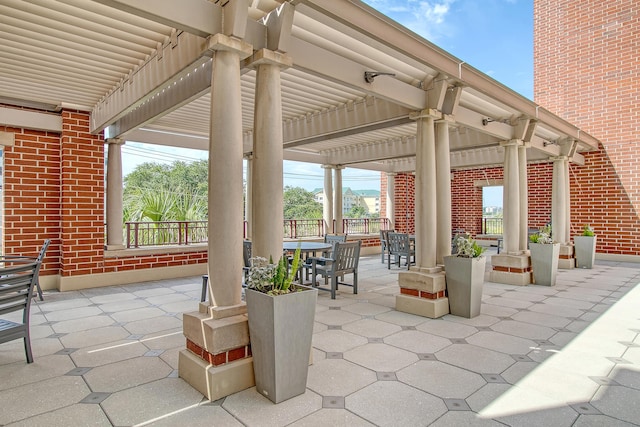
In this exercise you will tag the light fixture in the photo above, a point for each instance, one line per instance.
(545, 143)
(487, 121)
(369, 76)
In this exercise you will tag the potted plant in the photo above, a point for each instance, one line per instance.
(464, 273)
(544, 257)
(585, 247)
(281, 316)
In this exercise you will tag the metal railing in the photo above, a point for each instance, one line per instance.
(164, 233)
(491, 225)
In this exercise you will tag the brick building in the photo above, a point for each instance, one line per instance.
(586, 66)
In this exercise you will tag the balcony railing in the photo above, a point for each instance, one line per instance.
(164, 233)
(491, 225)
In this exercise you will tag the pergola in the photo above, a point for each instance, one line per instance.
(331, 82)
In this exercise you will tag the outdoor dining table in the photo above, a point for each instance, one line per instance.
(306, 248)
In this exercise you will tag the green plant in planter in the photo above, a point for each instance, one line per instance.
(466, 247)
(587, 231)
(542, 236)
(271, 278)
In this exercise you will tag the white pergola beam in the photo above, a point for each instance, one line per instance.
(198, 17)
(323, 63)
(25, 119)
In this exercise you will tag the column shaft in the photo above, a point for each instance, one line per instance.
(511, 197)
(248, 198)
(443, 190)
(559, 200)
(114, 194)
(225, 181)
(327, 200)
(391, 208)
(524, 195)
(267, 164)
(425, 194)
(337, 199)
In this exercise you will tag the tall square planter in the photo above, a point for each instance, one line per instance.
(544, 261)
(280, 330)
(585, 248)
(465, 279)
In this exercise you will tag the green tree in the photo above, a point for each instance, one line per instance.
(357, 212)
(300, 204)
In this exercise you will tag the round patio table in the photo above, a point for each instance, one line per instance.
(306, 247)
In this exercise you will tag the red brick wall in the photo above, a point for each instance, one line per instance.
(586, 70)
(466, 197)
(31, 193)
(404, 203)
(54, 189)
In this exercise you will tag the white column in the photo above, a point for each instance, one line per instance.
(511, 197)
(114, 194)
(524, 196)
(443, 191)
(225, 172)
(425, 192)
(567, 236)
(337, 199)
(248, 197)
(327, 199)
(559, 200)
(268, 156)
(391, 208)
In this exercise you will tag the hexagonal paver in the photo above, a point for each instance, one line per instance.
(541, 319)
(417, 341)
(338, 377)
(523, 330)
(501, 342)
(444, 328)
(411, 407)
(440, 379)
(371, 328)
(366, 309)
(381, 357)
(337, 341)
(518, 370)
(486, 395)
(336, 317)
(482, 320)
(332, 417)
(463, 418)
(476, 359)
(128, 373)
(97, 336)
(253, 409)
(400, 318)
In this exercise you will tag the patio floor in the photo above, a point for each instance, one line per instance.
(537, 356)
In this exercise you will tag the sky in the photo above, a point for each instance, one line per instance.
(494, 36)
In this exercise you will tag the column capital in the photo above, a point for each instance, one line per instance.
(340, 167)
(219, 41)
(118, 141)
(391, 173)
(248, 156)
(446, 118)
(512, 142)
(426, 113)
(327, 166)
(269, 57)
(559, 158)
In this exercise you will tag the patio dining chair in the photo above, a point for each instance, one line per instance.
(17, 280)
(384, 244)
(344, 260)
(39, 259)
(400, 246)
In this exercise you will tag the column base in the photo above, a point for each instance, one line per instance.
(511, 269)
(422, 294)
(217, 361)
(567, 259)
(215, 382)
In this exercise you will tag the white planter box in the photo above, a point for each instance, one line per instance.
(544, 261)
(585, 248)
(280, 330)
(465, 278)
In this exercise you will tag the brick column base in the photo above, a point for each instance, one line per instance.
(422, 294)
(511, 269)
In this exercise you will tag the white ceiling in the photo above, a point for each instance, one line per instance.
(137, 70)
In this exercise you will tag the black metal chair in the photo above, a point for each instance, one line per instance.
(39, 259)
(17, 280)
(400, 246)
(344, 260)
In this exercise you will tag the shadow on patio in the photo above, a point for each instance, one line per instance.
(562, 356)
